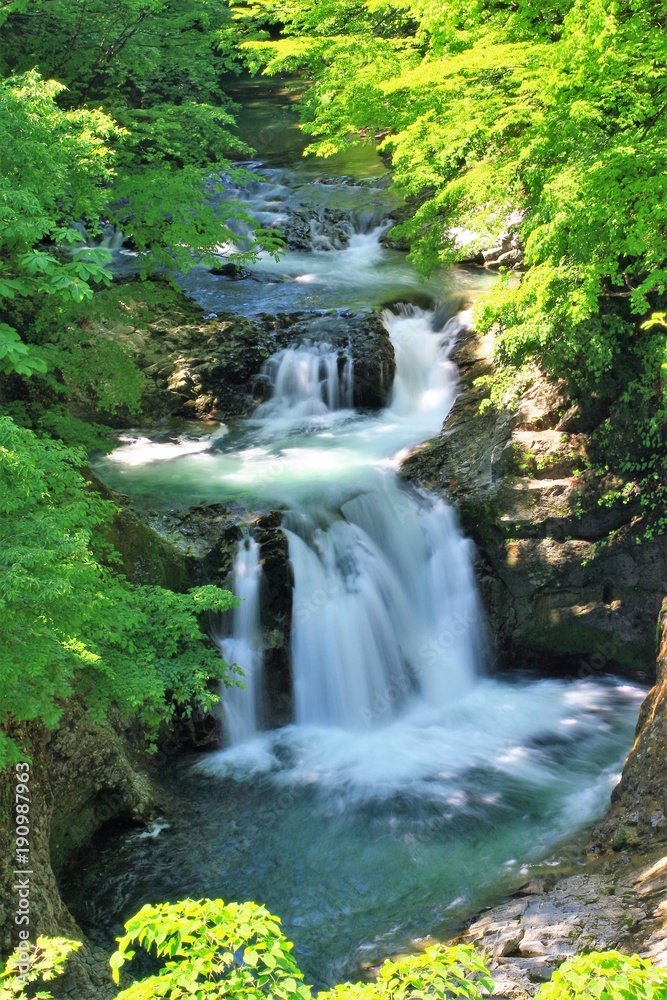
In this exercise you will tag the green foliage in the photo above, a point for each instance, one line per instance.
(45, 961)
(53, 167)
(131, 51)
(438, 971)
(91, 348)
(606, 975)
(15, 356)
(215, 949)
(70, 625)
(210, 949)
(114, 113)
(547, 117)
(154, 66)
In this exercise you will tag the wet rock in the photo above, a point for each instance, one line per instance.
(210, 534)
(309, 229)
(212, 368)
(145, 557)
(231, 270)
(276, 617)
(639, 802)
(564, 580)
(506, 252)
(207, 367)
(526, 939)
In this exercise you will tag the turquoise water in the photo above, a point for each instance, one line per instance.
(413, 786)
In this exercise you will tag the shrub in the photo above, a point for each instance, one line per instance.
(606, 975)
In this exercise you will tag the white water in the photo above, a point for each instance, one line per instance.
(380, 572)
(388, 577)
(244, 705)
(305, 381)
(387, 637)
(412, 783)
(345, 264)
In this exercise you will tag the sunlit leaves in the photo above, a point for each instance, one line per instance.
(606, 975)
(215, 949)
(71, 622)
(46, 958)
(15, 356)
(210, 949)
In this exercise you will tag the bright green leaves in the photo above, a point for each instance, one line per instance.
(46, 960)
(53, 164)
(191, 134)
(438, 972)
(145, 162)
(606, 975)
(15, 356)
(555, 112)
(45, 274)
(213, 950)
(69, 624)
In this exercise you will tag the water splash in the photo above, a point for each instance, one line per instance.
(411, 781)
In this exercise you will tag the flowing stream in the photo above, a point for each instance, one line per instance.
(413, 785)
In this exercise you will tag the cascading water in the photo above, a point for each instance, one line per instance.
(413, 787)
(307, 380)
(244, 706)
(389, 566)
(375, 642)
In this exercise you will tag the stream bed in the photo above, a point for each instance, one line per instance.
(413, 786)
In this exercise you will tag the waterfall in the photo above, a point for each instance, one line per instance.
(412, 784)
(385, 609)
(385, 612)
(306, 381)
(109, 237)
(244, 706)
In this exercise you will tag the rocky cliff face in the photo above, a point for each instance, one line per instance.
(618, 898)
(567, 578)
(638, 815)
(83, 775)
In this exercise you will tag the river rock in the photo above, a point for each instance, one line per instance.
(232, 271)
(566, 584)
(309, 229)
(211, 368)
(620, 905)
(618, 899)
(637, 818)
